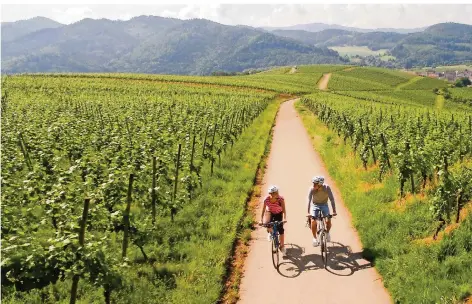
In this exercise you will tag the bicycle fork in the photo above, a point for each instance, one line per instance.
(320, 231)
(275, 237)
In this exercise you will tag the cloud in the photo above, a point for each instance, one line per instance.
(79, 11)
(169, 14)
(360, 15)
(73, 14)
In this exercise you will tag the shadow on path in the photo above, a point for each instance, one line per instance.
(341, 261)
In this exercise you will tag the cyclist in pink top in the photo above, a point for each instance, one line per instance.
(275, 204)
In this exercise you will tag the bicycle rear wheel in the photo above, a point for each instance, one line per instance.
(324, 248)
(275, 253)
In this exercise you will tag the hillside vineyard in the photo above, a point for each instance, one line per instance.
(132, 188)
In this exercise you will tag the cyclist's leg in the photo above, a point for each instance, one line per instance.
(328, 224)
(314, 224)
(314, 227)
(271, 219)
(279, 217)
(325, 211)
(266, 219)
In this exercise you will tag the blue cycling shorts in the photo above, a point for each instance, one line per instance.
(324, 209)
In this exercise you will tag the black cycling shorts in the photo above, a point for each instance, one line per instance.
(278, 217)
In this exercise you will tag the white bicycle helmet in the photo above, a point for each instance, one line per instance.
(318, 180)
(273, 189)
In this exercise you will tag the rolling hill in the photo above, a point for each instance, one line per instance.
(318, 27)
(17, 29)
(445, 43)
(440, 44)
(150, 44)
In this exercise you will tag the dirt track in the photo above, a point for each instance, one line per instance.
(323, 83)
(301, 277)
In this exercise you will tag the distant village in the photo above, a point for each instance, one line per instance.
(451, 76)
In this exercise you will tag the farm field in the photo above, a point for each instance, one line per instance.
(387, 150)
(127, 188)
(320, 69)
(340, 82)
(362, 51)
(152, 163)
(425, 83)
(277, 80)
(456, 100)
(356, 50)
(461, 95)
(284, 83)
(424, 226)
(382, 76)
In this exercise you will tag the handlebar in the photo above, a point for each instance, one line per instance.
(320, 217)
(270, 224)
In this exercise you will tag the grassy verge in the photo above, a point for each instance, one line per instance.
(223, 207)
(392, 230)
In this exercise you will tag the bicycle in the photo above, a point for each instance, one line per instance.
(321, 231)
(275, 241)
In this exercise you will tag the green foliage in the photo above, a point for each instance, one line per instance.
(151, 44)
(412, 98)
(412, 271)
(382, 76)
(286, 83)
(440, 44)
(320, 69)
(426, 83)
(65, 139)
(462, 82)
(453, 192)
(461, 95)
(277, 71)
(416, 142)
(337, 37)
(338, 82)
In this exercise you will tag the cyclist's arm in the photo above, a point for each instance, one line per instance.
(309, 200)
(331, 199)
(263, 211)
(284, 211)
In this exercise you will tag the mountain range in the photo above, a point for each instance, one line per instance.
(318, 27)
(439, 44)
(14, 30)
(151, 44)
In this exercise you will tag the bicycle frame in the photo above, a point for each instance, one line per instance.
(320, 222)
(321, 230)
(275, 234)
(275, 231)
(275, 241)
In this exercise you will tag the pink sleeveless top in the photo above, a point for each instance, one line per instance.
(276, 207)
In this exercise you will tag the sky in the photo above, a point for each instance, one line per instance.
(355, 15)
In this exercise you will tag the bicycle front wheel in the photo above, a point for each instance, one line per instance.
(324, 248)
(275, 253)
